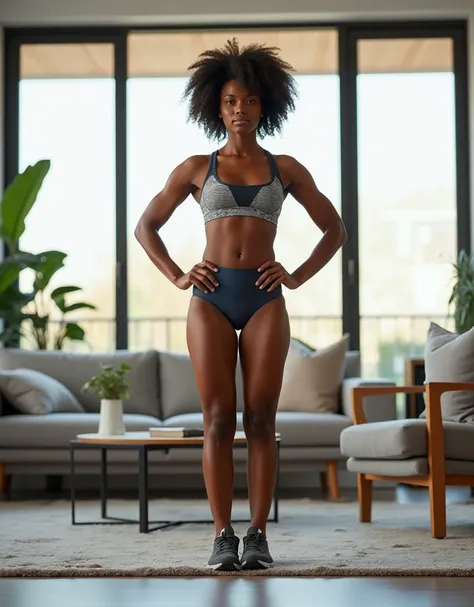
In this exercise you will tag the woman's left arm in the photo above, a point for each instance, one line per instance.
(321, 210)
(302, 187)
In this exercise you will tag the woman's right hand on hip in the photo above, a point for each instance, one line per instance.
(200, 276)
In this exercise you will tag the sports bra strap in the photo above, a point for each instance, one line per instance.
(273, 166)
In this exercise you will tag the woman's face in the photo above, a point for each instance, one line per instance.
(240, 109)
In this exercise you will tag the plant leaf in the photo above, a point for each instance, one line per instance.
(58, 295)
(74, 331)
(77, 306)
(11, 266)
(18, 200)
(51, 262)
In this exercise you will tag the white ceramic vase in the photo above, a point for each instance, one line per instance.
(111, 418)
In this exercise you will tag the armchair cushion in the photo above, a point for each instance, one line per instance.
(418, 466)
(405, 439)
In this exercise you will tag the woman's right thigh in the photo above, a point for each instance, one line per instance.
(212, 344)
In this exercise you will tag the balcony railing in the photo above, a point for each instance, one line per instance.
(385, 342)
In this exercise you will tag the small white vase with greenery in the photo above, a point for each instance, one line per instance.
(112, 385)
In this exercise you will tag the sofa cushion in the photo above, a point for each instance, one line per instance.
(33, 392)
(450, 357)
(353, 366)
(179, 393)
(55, 430)
(405, 439)
(73, 369)
(296, 429)
(312, 382)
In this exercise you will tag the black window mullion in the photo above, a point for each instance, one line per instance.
(121, 299)
(349, 184)
(462, 140)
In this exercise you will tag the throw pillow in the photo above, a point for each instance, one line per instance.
(36, 393)
(312, 381)
(450, 357)
(301, 346)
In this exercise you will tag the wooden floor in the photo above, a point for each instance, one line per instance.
(238, 592)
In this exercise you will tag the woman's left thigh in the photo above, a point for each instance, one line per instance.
(263, 348)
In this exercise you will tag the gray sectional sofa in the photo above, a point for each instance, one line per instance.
(163, 392)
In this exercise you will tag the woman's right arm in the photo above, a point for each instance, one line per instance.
(178, 187)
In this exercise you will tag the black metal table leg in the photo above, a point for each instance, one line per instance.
(143, 487)
(277, 486)
(71, 485)
(103, 481)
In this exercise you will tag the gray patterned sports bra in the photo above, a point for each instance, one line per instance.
(219, 199)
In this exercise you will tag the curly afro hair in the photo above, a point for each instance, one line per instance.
(256, 66)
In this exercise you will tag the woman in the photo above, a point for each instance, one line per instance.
(241, 94)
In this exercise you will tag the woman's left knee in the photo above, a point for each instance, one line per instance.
(259, 423)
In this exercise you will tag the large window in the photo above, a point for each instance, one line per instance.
(160, 138)
(381, 123)
(67, 114)
(407, 195)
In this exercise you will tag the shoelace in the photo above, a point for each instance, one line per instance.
(256, 541)
(224, 543)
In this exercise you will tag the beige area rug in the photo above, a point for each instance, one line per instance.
(313, 538)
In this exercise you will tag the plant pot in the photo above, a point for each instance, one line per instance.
(111, 418)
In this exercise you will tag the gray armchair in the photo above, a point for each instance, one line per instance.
(432, 453)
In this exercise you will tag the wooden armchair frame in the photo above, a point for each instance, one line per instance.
(436, 480)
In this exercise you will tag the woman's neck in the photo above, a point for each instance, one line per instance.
(241, 146)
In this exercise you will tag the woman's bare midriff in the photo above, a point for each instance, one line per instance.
(239, 242)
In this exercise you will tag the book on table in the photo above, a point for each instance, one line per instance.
(175, 432)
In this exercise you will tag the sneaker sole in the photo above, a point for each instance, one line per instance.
(225, 567)
(257, 564)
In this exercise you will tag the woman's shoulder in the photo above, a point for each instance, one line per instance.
(285, 160)
(193, 166)
(197, 161)
(286, 164)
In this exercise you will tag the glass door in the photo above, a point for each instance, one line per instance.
(412, 188)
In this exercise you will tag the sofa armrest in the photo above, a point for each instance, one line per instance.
(378, 408)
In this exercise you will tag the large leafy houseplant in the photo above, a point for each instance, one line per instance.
(462, 294)
(30, 314)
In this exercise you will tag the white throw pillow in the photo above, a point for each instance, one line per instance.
(312, 381)
(36, 393)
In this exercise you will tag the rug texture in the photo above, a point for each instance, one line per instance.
(313, 538)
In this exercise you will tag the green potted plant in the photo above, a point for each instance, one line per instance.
(29, 314)
(112, 386)
(462, 294)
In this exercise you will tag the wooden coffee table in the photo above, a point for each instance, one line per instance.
(143, 443)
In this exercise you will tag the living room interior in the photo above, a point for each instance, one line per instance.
(374, 421)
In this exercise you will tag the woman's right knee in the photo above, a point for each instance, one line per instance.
(220, 422)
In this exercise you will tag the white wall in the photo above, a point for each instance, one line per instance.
(179, 12)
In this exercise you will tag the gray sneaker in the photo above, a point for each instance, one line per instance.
(256, 554)
(225, 556)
